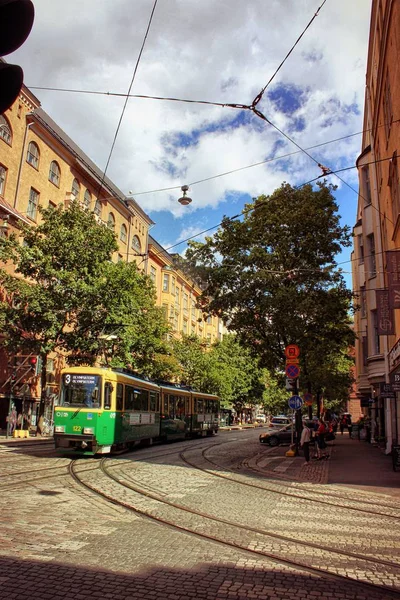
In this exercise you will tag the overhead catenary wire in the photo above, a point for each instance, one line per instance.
(259, 96)
(129, 90)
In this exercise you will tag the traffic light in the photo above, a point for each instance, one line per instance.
(34, 364)
(16, 18)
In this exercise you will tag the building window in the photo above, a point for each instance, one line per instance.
(123, 233)
(177, 296)
(33, 204)
(173, 286)
(54, 173)
(376, 339)
(360, 249)
(185, 302)
(87, 199)
(378, 166)
(111, 222)
(366, 185)
(76, 189)
(371, 255)
(33, 155)
(136, 244)
(97, 208)
(185, 326)
(394, 186)
(387, 106)
(165, 285)
(5, 130)
(153, 273)
(3, 174)
(209, 320)
(363, 302)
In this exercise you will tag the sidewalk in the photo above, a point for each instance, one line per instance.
(360, 465)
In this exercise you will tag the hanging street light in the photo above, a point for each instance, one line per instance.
(184, 200)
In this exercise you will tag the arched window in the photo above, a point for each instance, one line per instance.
(111, 222)
(76, 189)
(123, 233)
(5, 130)
(87, 199)
(33, 155)
(54, 173)
(136, 243)
(97, 208)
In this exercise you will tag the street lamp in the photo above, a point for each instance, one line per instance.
(184, 200)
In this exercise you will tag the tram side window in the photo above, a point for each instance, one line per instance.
(172, 405)
(180, 407)
(200, 406)
(144, 400)
(120, 396)
(165, 405)
(153, 401)
(129, 397)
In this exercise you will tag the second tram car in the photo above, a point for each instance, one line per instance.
(104, 410)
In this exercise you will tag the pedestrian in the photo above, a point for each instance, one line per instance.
(342, 423)
(305, 442)
(321, 445)
(349, 425)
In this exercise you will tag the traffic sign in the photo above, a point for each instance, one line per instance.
(292, 351)
(295, 402)
(292, 361)
(292, 371)
(308, 397)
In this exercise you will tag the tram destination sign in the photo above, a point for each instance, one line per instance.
(79, 378)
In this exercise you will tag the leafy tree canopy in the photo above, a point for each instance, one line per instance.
(272, 275)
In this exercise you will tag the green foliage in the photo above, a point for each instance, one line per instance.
(272, 277)
(72, 298)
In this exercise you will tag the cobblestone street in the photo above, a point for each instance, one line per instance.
(214, 518)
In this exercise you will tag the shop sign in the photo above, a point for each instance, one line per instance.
(395, 381)
(394, 355)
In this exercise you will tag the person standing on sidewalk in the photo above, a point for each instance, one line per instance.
(305, 442)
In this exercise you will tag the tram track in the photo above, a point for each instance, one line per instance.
(308, 495)
(234, 533)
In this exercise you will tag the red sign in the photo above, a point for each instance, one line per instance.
(292, 351)
(292, 371)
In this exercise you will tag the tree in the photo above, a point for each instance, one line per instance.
(71, 298)
(194, 363)
(272, 276)
(234, 374)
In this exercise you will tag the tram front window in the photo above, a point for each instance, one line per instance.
(80, 390)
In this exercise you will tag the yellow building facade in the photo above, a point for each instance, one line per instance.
(377, 229)
(41, 165)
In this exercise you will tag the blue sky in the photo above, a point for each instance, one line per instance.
(215, 50)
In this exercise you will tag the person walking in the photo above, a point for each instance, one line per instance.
(305, 442)
(342, 424)
(320, 436)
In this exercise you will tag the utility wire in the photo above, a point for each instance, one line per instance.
(129, 91)
(140, 96)
(261, 93)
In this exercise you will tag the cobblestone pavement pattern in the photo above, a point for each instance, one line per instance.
(60, 541)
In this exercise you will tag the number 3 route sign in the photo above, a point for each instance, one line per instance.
(292, 371)
(295, 402)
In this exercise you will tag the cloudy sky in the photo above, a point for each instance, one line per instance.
(216, 50)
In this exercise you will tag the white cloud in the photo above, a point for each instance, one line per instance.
(221, 51)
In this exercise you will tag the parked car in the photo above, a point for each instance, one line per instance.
(274, 437)
(280, 421)
(261, 419)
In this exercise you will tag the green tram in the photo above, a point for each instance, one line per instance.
(104, 410)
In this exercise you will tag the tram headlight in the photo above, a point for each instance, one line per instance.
(60, 428)
(89, 430)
